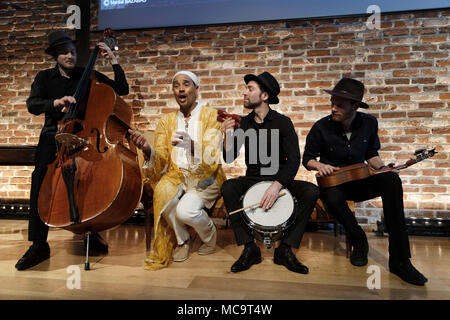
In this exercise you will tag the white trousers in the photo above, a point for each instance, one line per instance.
(188, 210)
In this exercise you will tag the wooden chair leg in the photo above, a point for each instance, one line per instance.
(147, 201)
(148, 229)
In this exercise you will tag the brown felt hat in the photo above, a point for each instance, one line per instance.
(350, 89)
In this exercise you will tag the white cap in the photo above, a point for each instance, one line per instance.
(190, 75)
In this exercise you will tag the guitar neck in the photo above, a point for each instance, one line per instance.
(362, 170)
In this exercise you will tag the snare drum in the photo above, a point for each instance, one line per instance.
(268, 226)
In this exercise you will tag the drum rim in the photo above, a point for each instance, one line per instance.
(276, 228)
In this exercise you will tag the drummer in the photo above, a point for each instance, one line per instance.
(266, 132)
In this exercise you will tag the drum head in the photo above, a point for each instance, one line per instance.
(277, 215)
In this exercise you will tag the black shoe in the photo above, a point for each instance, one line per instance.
(406, 271)
(250, 255)
(96, 244)
(34, 255)
(358, 257)
(285, 257)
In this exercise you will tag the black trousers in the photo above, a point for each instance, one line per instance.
(45, 154)
(387, 185)
(306, 194)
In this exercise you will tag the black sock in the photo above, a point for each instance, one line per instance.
(284, 246)
(250, 244)
(396, 260)
(39, 243)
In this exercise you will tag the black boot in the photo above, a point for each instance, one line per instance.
(284, 256)
(358, 257)
(37, 253)
(250, 255)
(406, 271)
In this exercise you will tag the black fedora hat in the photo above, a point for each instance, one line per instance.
(350, 89)
(57, 38)
(269, 84)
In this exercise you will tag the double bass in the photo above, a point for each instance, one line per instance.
(95, 182)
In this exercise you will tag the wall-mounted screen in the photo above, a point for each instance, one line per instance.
(135, 14)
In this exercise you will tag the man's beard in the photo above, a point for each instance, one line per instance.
(253, 105)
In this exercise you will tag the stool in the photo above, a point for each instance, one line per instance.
(320, 214)
(147, 202)
(218, 211)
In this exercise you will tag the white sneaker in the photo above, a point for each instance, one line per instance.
(210, 246)
(181, 252)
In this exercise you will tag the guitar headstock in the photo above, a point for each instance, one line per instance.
(422, 154)
(109, 38)
(419, 155)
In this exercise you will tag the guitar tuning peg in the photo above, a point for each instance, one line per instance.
(418, 151)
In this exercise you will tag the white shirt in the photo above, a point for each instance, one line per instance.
(182, 155)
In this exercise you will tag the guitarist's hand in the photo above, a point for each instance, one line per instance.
(325, 169)
(391, 166)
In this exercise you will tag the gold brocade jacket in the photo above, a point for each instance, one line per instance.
(170, 178)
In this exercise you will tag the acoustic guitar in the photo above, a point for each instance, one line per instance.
(363, 170)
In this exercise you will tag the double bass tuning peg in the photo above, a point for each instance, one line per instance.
(112, 43)
(110, 39)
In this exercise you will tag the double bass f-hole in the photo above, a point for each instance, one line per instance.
(99, 136)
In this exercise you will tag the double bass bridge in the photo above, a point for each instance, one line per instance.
(71, 141)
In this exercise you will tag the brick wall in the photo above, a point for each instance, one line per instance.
(404, 65)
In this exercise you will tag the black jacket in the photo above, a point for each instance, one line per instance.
(50, 85)
(327, 140)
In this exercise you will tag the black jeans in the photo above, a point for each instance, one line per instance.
(387, 185)
(45, 154)
(306, 194)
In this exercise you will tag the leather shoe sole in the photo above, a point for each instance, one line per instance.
(290, 266)
(358, 257)
(358, 262)
(32, 258)
(417, 282)
(408, 273)
(238, 267)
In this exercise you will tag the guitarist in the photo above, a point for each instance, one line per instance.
(349, 137)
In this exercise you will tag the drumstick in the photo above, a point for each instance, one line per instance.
(253, 205)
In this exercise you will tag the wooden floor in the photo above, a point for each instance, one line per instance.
(120, 275)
